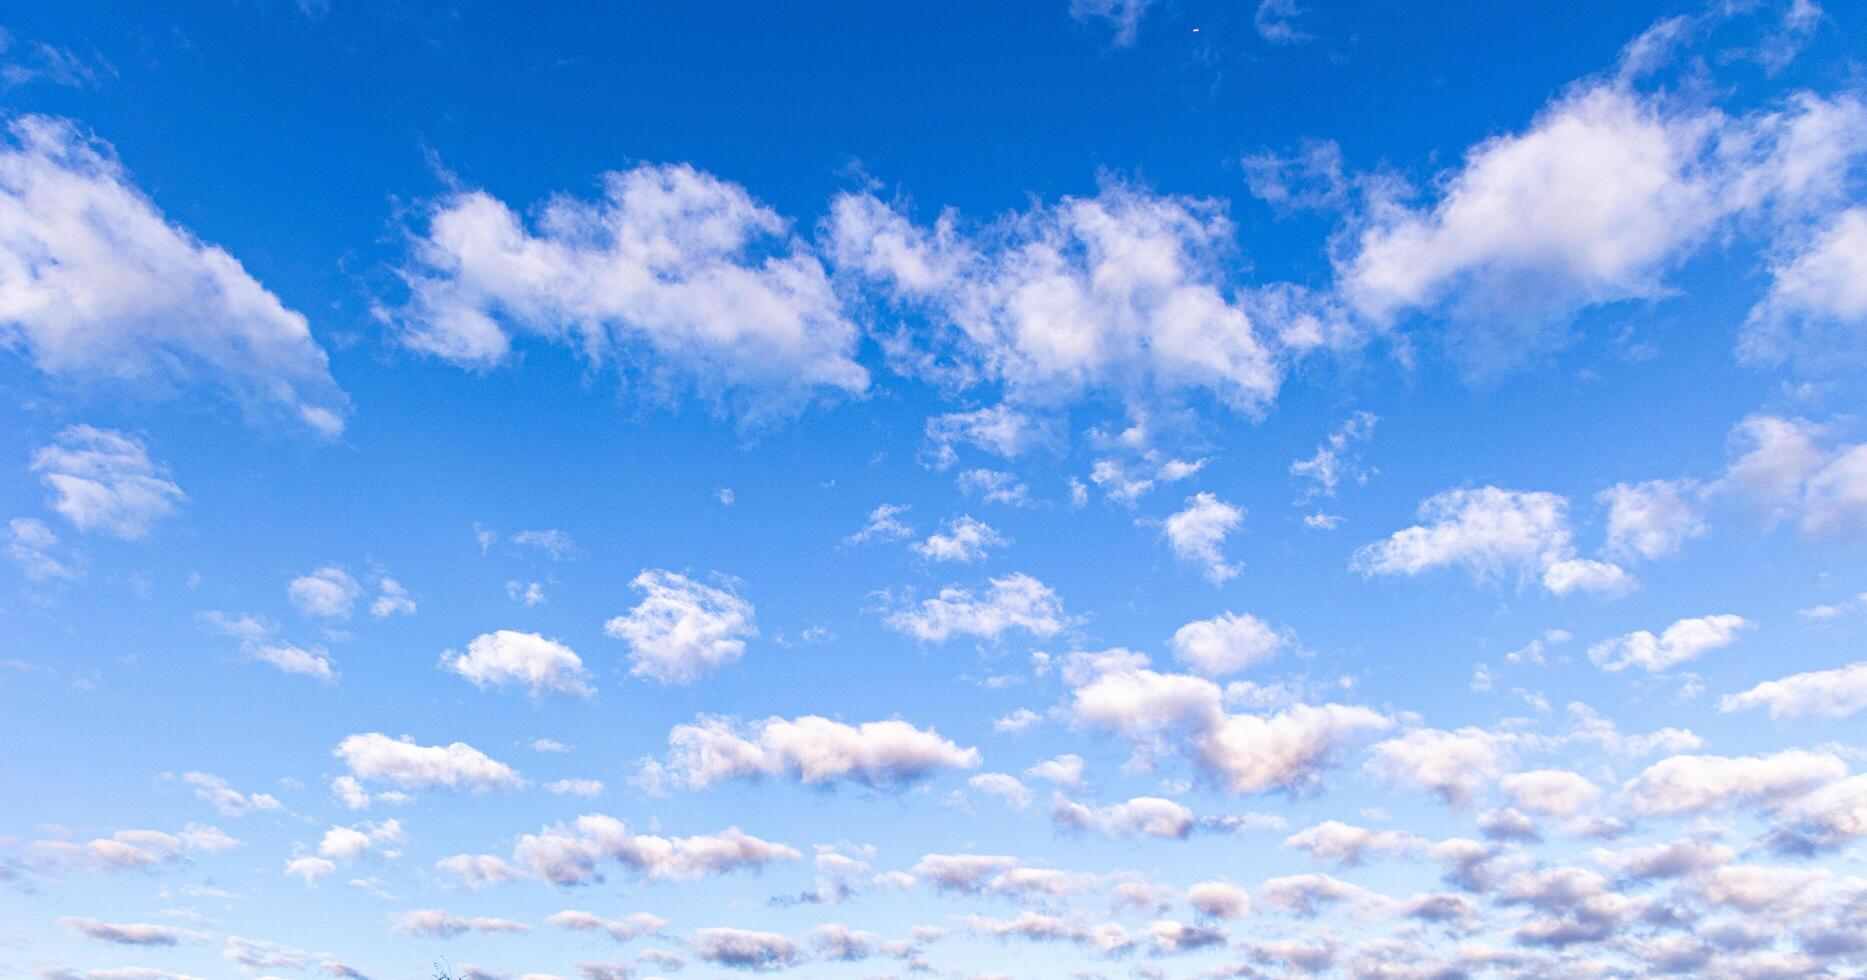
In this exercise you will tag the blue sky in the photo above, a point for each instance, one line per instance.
(1083, 488)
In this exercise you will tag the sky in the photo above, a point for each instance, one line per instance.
(1069, 488)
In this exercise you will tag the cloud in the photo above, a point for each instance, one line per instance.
(1219, 900)
(1197, 534)
(884, 524)
(1835, 693)
(1123, 17)
(1491, 532)
(812, 750)
(122, 934)
(743, 949)
(1142, 816)
(558, 545)
(1123, 292)
(1336, 459)
(96, 285)
(682, 630)
(1013, 602)
(1690, 784)
(998, 429)
(310, 869)
(1784, 467)
(33, 547)
(476, 871)
(674, 276)
(441, 924)
(1345, 845)
(507, 658)
(455, 767)
(1227, 643)
(965, 540)
(1276, 21)
(1550, 792)
(1651, 519)
(622, 929)
(391, 599)
(1452, 765)
(133, 850)
(227, 801)
(1682, 642)
(1817, 302)
(572, 853)
(1243, 753)
(1004, 786)
(103, 480)
(328, 592)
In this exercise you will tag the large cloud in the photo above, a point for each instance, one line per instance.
(1820, 693)
(574, 853)
(1012, 602)
(682, 630)
(1124, 292)
(401, 762)
(673, 273)
(1492, 533)
(812, 750)
(508, 658)
(96, 285)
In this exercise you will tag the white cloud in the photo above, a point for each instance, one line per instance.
(995, 487)
(622, 929)
(401, 762)
(310, 869)
(965, 540)
(133, 850)
(1338, 458)
(33, 547)
(1835, 693)
(391, 599)
(1122, 292)
(559, 545)
(103, 480)
(813, 750)
(1219, 900)
(1142, 816)
(1817, 301)
(1227, 643)
(998, 429)
(1453, 765)
(575, 787)
(328, 592)
(227, 801)
(1345, 845)
(96, 285)
(1651, 519)
(682, 630)
(257, 641)
(475, 871)
(507, 658)
(1123, 17)
(442, 924)
(1550, 792)
(1789, 469)
(744, 949)
(122, 934)
(1013, 602)
(1688, 784)
(1491, 532)
(571, 854)
(884, 524)
(674, 274)
(1004, 786)
(1682, 642)
(1197, 534)
(1244, 753)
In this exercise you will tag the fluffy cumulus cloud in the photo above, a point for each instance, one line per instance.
(97, 285)
(1197, 535)
(1598, 200)
(1454, 765)
(744, 949)
(1227, 643)
(682, 630)
(1834, 693)
(1494, 533)
(508, 658)
(1682, 642)
(1690, 784)
(1794, 469)
(407, 765)
(1123, 292)
(328, 592)
(577, 852)
(813, 750)
(1186, 715)
(964, 540)
(677, 276)
(1817, 303)
(1143, 816)
(102, 480)
(1013, 602)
